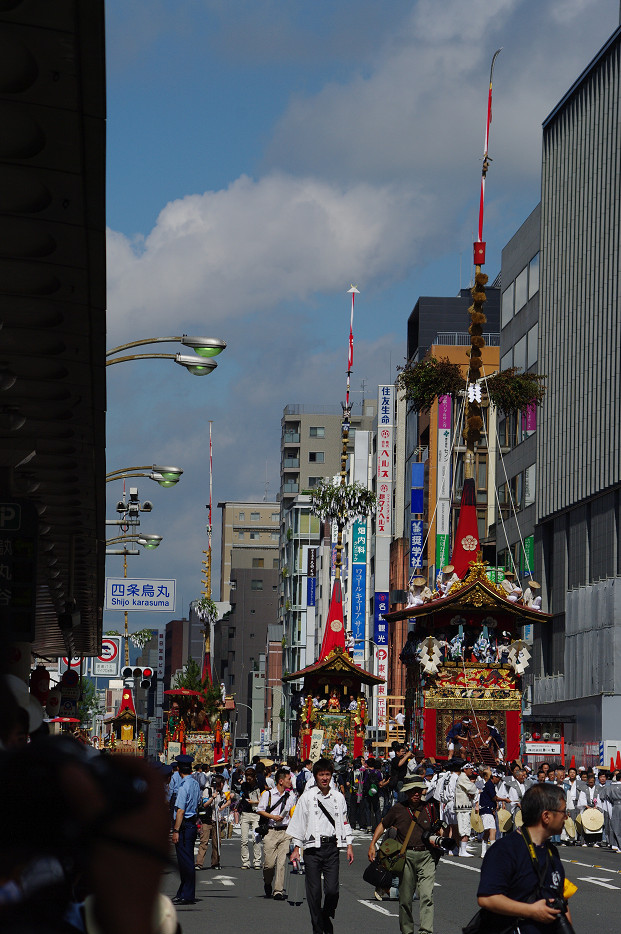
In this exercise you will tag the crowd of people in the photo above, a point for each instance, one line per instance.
(283, 814)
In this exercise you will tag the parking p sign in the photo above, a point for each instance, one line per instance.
(108, 662)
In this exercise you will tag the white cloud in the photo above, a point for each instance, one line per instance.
(232, 253)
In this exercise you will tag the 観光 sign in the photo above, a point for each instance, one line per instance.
(125, 593)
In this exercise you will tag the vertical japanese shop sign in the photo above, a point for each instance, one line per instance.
(443, 514)
(359, 588)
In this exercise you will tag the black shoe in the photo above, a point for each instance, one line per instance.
(268, 890)
(183, 901)
(279, 896)
(327, 925)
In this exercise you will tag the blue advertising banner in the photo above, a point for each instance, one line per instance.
(358, 607)
(359, 542)
(311, 586)
(417, 501)
(416, 543)
(380, 626)
(418, 475)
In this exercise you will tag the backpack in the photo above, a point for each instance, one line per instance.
(300, 782)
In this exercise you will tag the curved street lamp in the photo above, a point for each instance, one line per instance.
(147, 540)
(165, 476)
(200, 365)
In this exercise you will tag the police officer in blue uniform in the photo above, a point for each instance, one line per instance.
(184, 831)
(173, 787)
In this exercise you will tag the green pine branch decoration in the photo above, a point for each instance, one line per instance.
(421, 383)
(511, 391)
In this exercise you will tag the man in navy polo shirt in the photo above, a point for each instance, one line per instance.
(524, 871)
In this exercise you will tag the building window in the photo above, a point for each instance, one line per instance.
(317, 432)
(240, 534)
(533, 276)
(233, 585)
(530, 475)
(507, 305)
(258, 562)
(275, 563)
(242, 516)
(519, 354)
(506, 360)
(314, 481)
(521, 289)
(275, 517)
(275, 536)
(255, 535)
(256, 584)
(316, 457)
(255, 516)
(531, 345)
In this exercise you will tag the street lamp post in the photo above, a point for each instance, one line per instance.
(202, 364)
(164, 476)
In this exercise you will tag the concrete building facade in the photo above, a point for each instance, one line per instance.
(578, 439)
(249, 582)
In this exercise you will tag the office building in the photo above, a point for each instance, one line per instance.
(249, 582)
(578, 438)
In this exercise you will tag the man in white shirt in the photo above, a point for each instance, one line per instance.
(320, 825)
(275, 805)
(340, 750)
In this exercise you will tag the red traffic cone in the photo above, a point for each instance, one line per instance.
(618, 762)
(612, 764)
(572, 764)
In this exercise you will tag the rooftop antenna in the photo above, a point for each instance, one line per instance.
(267, 483)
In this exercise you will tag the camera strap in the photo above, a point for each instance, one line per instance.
(541, 873)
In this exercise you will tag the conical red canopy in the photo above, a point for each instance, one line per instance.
(127, 702)
(467, 542)
(335, 630)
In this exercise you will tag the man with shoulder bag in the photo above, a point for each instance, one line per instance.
(522, 879)
(274, 807)
(320, 827)
(415, 820)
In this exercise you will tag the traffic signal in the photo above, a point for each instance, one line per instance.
(145, 677)
(141, 675)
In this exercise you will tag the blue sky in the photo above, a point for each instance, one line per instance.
(263, 155)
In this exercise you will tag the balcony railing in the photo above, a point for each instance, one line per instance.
(291, 462)
(291, 437)
(288, 488)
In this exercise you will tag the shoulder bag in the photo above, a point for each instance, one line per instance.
(392, 856)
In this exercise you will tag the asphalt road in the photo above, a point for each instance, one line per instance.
(229, 899)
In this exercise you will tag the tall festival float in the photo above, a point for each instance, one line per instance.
(464, 654)
(334, 704)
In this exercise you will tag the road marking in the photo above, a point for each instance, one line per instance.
(596, 881)
(450, 862)
(382, 911)
(575, 862)
(222, 880)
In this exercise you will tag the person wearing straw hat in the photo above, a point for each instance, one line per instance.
(419, 872)
(419, 592)
(445, 580)
(532, 597)
(512, 590)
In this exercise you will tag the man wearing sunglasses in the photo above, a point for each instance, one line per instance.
(419, 873)
(523, 877)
